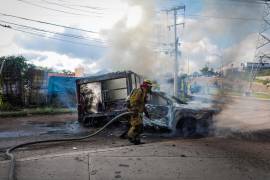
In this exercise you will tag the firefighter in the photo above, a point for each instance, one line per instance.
(137, 101)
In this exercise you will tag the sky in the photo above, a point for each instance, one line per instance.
(109, 35)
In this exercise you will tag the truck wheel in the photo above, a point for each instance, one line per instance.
(94, 122)
(86, 122)
(189, 127)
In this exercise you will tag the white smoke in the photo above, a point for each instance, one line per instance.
(132, 47)
(220, 30)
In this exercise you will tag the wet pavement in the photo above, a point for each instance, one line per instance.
(206, 159)
(177, 157)
(37, 129)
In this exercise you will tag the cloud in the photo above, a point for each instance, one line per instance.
(199, 54)
(55, 61)
(203, 37)
(225, 23)
(220, 32)
(94, 51)
(35, 56)
(131, 48)
(244, 51)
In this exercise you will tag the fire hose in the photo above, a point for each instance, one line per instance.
(11, 175)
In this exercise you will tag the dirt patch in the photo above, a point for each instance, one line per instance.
(244, 115)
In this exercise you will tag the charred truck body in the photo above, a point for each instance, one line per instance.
(100, 98)
(103, 97)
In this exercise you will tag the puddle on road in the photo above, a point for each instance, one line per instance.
(36, 129)
(11, 134)
(69, 128)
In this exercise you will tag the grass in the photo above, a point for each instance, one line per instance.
(36, 111)
(255, 94)
(261, 95)
(264, 82)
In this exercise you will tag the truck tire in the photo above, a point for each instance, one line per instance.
(189, 128)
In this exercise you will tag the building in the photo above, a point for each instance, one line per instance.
(50, 89)
(257, 65)
(37, 88)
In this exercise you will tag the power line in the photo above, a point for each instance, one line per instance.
(229, 18)
(52, 32)
(218, 17)
(251, 2)
(68, 7)
(43, 22)
(83, 6)
(248, 1)
(44, 36)
(38, 29)
(52, 9)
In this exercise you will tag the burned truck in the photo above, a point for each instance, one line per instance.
(100, 98)
(192, 118)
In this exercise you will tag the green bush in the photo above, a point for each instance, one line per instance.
(264, 73)
(263, 81)
(266, 81)
(5, 106)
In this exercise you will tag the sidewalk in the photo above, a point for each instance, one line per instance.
(167, 160)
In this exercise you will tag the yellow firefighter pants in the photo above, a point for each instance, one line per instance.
(136, 126)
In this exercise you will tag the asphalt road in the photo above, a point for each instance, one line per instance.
(208, 158)
(240, 149)
(245, 117)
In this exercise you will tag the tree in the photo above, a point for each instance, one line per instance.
(12, 79)
(207, 72)
(67, 72)
(204, 70)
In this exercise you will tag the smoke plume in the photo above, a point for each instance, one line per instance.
(219, 31)
(225, 34)
(132, 47)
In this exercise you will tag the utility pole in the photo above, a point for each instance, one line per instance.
(188, 65)
(176, 64)
(176, 43)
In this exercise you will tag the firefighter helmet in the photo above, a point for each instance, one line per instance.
(147, 83)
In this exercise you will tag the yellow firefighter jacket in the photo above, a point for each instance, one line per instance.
(137, 100)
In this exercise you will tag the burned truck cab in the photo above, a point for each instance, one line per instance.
(100, 98)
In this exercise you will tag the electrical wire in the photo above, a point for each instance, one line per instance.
(246, 1)
(53, 9)
(44, 36)
(216, 17)
(38, 29)
(230, 2)
(68, 7)
(47, 23)
(11, 175)
(53, 32)
(228, 18)
(83, 6)
(107, 43)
